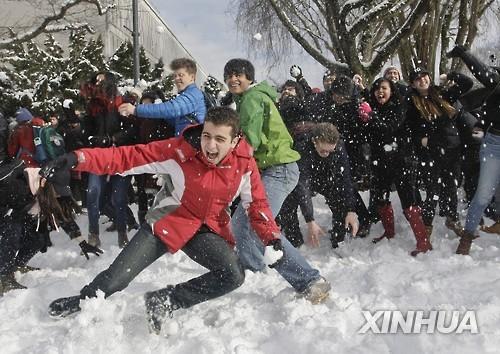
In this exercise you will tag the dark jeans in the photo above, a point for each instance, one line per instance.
(207, 249)
(391, 168)
(440, 182)
(19, 242)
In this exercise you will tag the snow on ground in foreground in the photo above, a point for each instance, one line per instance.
(263, 316)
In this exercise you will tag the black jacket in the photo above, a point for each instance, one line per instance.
(329, 176)
(442, 132)
(14, 190)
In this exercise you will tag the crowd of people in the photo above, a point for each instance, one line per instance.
(223, 184)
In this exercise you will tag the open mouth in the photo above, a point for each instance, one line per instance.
(211, 156)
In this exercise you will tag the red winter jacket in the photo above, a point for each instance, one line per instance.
(194, 191)
(21, 142)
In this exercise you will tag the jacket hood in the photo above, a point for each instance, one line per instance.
(265, 88)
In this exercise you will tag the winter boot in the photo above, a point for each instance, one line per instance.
(465, 243)
(94, 240)
(428, 231)
(159, 306)
(493, 229)
(65, 306)
(122, 239)
(387, 217)
(454, 225)
(8, 282)
(414, 216)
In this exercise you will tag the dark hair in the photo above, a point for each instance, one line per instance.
(239, 66)
(342, 86)
(108, 89)
(224, 116)
(325, 133)
(395, 97)
(184, 63)
(298, 88)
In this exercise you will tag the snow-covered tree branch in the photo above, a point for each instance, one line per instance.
(51, 23)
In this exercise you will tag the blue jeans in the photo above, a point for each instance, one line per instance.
(489, 177)
(278, 182)
(119, 200)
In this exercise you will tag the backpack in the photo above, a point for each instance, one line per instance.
(49, 144)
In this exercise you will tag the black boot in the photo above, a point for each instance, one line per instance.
(8, 282)
(159, 305)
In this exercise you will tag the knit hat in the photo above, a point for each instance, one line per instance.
(418, 72)
(392, 67)
(342, 86)
(23, 115)
(239, 66)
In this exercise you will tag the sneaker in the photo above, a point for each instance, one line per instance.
(26, 268)
(8, 282)
(159, 306)
(317, 292)
(65, 306)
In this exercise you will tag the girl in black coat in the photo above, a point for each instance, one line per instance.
(431, 118)
(391, 162)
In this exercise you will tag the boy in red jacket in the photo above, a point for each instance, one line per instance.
(203, 171)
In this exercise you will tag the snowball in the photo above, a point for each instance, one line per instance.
(257, 36)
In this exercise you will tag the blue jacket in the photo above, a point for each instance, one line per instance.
(185, 109)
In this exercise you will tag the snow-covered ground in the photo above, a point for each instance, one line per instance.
(263, 316)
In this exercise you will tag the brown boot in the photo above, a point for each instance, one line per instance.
(122, 239)
(94, 240)
(428, 231)
(387, 217)
(493, 229)
(454, 225)
(414, 216)
(465, 243)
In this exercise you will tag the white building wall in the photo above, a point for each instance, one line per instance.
(155, 35)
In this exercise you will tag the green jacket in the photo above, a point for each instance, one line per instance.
(263, 126)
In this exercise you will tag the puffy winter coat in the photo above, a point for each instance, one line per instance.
(263, 126)
(16, 195)
(194, 192)
(185, 109)
(442, 132)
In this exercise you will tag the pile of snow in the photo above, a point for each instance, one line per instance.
(263, 315)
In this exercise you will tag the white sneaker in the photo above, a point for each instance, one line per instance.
(318, 291)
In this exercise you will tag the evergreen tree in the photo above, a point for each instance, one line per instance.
(121, 62)
(144, 65)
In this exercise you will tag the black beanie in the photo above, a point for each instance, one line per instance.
(239, 66)
(342, 86)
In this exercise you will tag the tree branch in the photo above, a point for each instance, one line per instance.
(48, 25)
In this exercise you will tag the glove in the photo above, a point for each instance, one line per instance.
(364, 112)
(273, 253)
(62, 163)
(456, 52)
(296, 72)
(88, 248)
